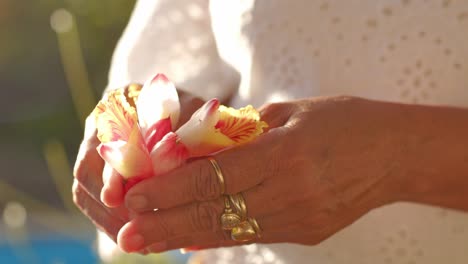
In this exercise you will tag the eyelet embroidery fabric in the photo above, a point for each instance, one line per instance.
(412, 51)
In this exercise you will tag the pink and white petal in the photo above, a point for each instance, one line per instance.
(156, 132)
(206, 117)
(127, 159)
(208, 113)
(200, 135)
(168, 154)
(158, 100)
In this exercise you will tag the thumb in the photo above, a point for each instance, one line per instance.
(276, 114)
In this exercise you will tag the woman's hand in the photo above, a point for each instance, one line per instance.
(97, 188)
(324, 163)
(88, 183)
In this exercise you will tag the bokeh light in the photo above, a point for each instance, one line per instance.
(61, 20)
(14, 215)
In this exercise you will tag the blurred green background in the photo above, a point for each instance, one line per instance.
(54, 59)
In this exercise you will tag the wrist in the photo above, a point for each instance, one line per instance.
(378, 137)
(405, 134)
(392, 125)
(432, 155)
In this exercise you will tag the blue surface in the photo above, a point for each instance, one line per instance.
(49, 250)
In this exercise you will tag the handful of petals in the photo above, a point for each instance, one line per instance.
(136, 129)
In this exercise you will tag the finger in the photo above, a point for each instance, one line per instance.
(151, 227)
(107, 173)
(275, 228)
(198, 181)
(203, 238)
(200, 241)
(77, 189)
(89, 165)
(112, 193)
(183, 221)
(108, 221)
(276, 114)
(88, 173)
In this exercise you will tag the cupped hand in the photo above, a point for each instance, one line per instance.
(97, 188)
(323, 163)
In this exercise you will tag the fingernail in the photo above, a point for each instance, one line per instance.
(135, 242)
(137, 202)
(158, 247)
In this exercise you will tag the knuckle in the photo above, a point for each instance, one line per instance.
(78, 196)
(205, 183)
(203, 216)
(88, 172)
(80, 172)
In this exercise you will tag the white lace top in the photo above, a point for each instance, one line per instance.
(413, 51)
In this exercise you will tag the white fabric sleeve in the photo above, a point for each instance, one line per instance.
(173, 37)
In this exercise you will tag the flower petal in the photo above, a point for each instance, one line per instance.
(157, 131)
(214, 127)
(129, 159)
(199, 134)
(240, 125)
(157, 100)
(115, 118)
(168, 154)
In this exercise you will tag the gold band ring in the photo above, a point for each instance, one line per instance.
(248, 229)
(238, 202)
(255, 226)
(219, 174)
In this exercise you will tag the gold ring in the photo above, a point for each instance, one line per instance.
(243, 232)
(219, 173)
(238, 202)
(229, 219)
(255, 226)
